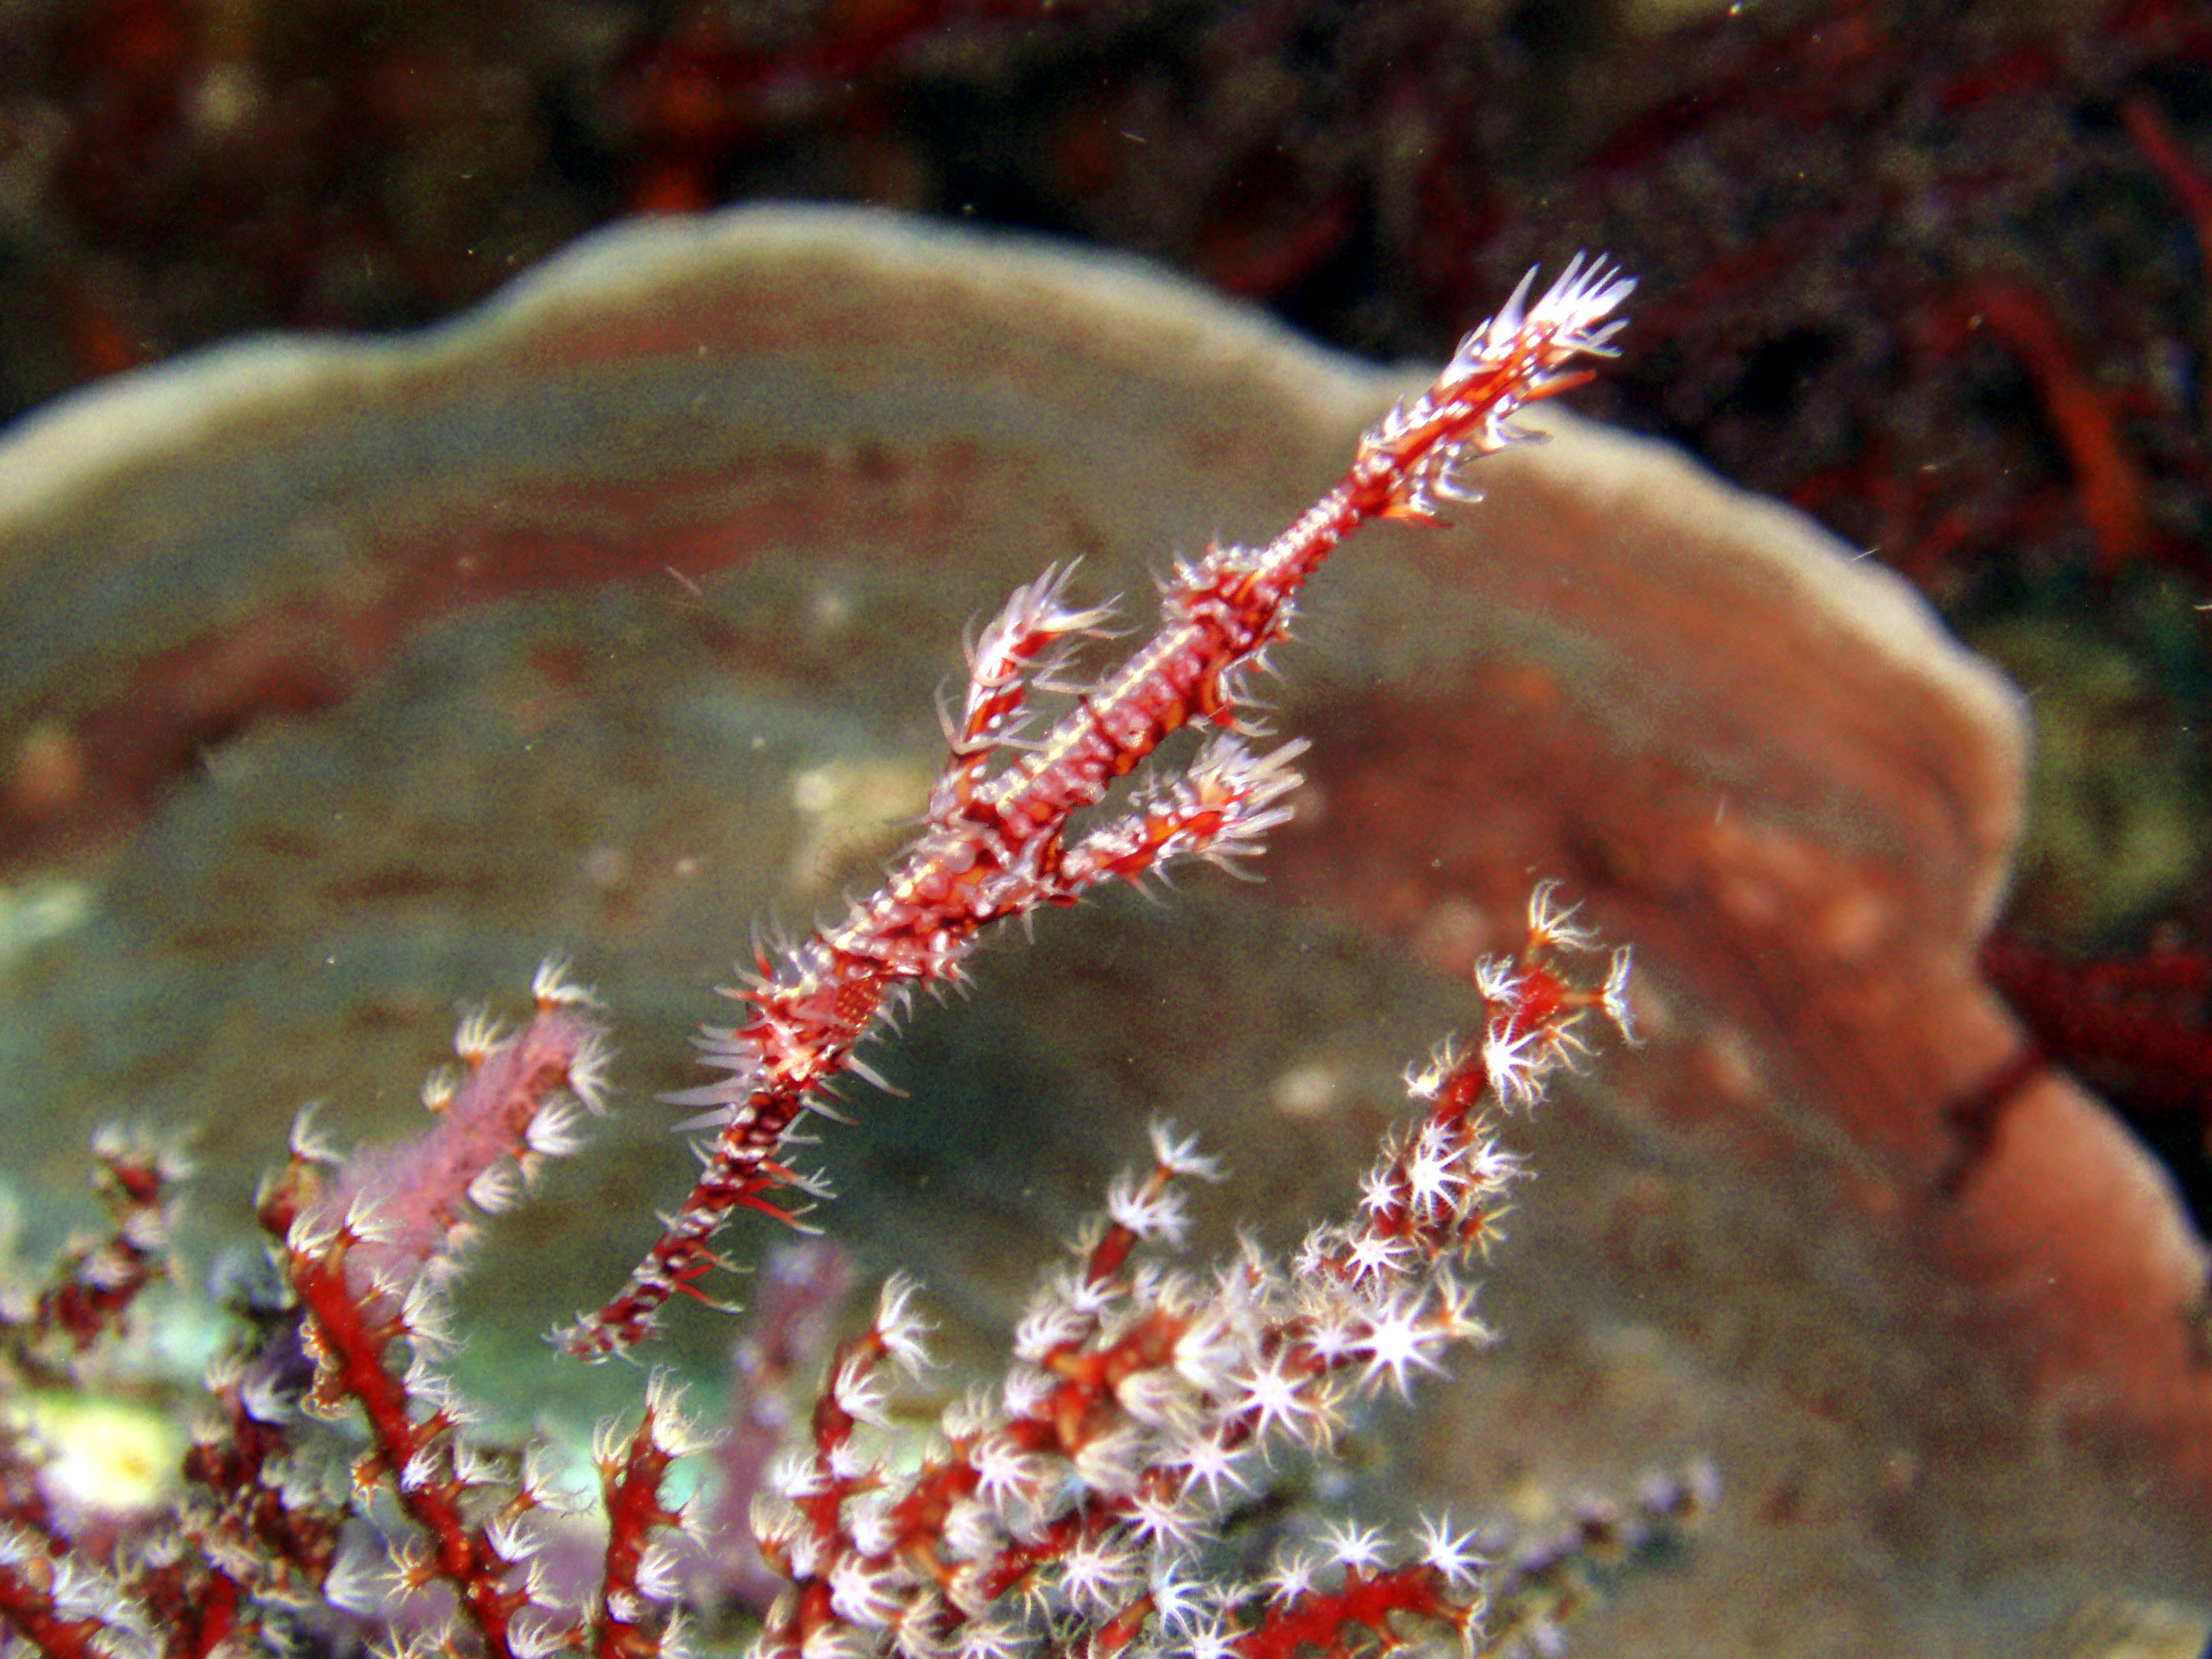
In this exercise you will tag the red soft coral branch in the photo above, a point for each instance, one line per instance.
(349, 1344)
(30, 1600)
(1066, 1511)
(98, 1280)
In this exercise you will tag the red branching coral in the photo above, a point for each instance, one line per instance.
(1071, 1508)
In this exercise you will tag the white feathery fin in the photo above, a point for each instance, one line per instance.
(820, 1102)
(1512, 314)
(685, 1126)
(1586, 293)
(1572, 319)
(861, 1069)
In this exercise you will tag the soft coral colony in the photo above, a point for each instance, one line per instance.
(336, 1493)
